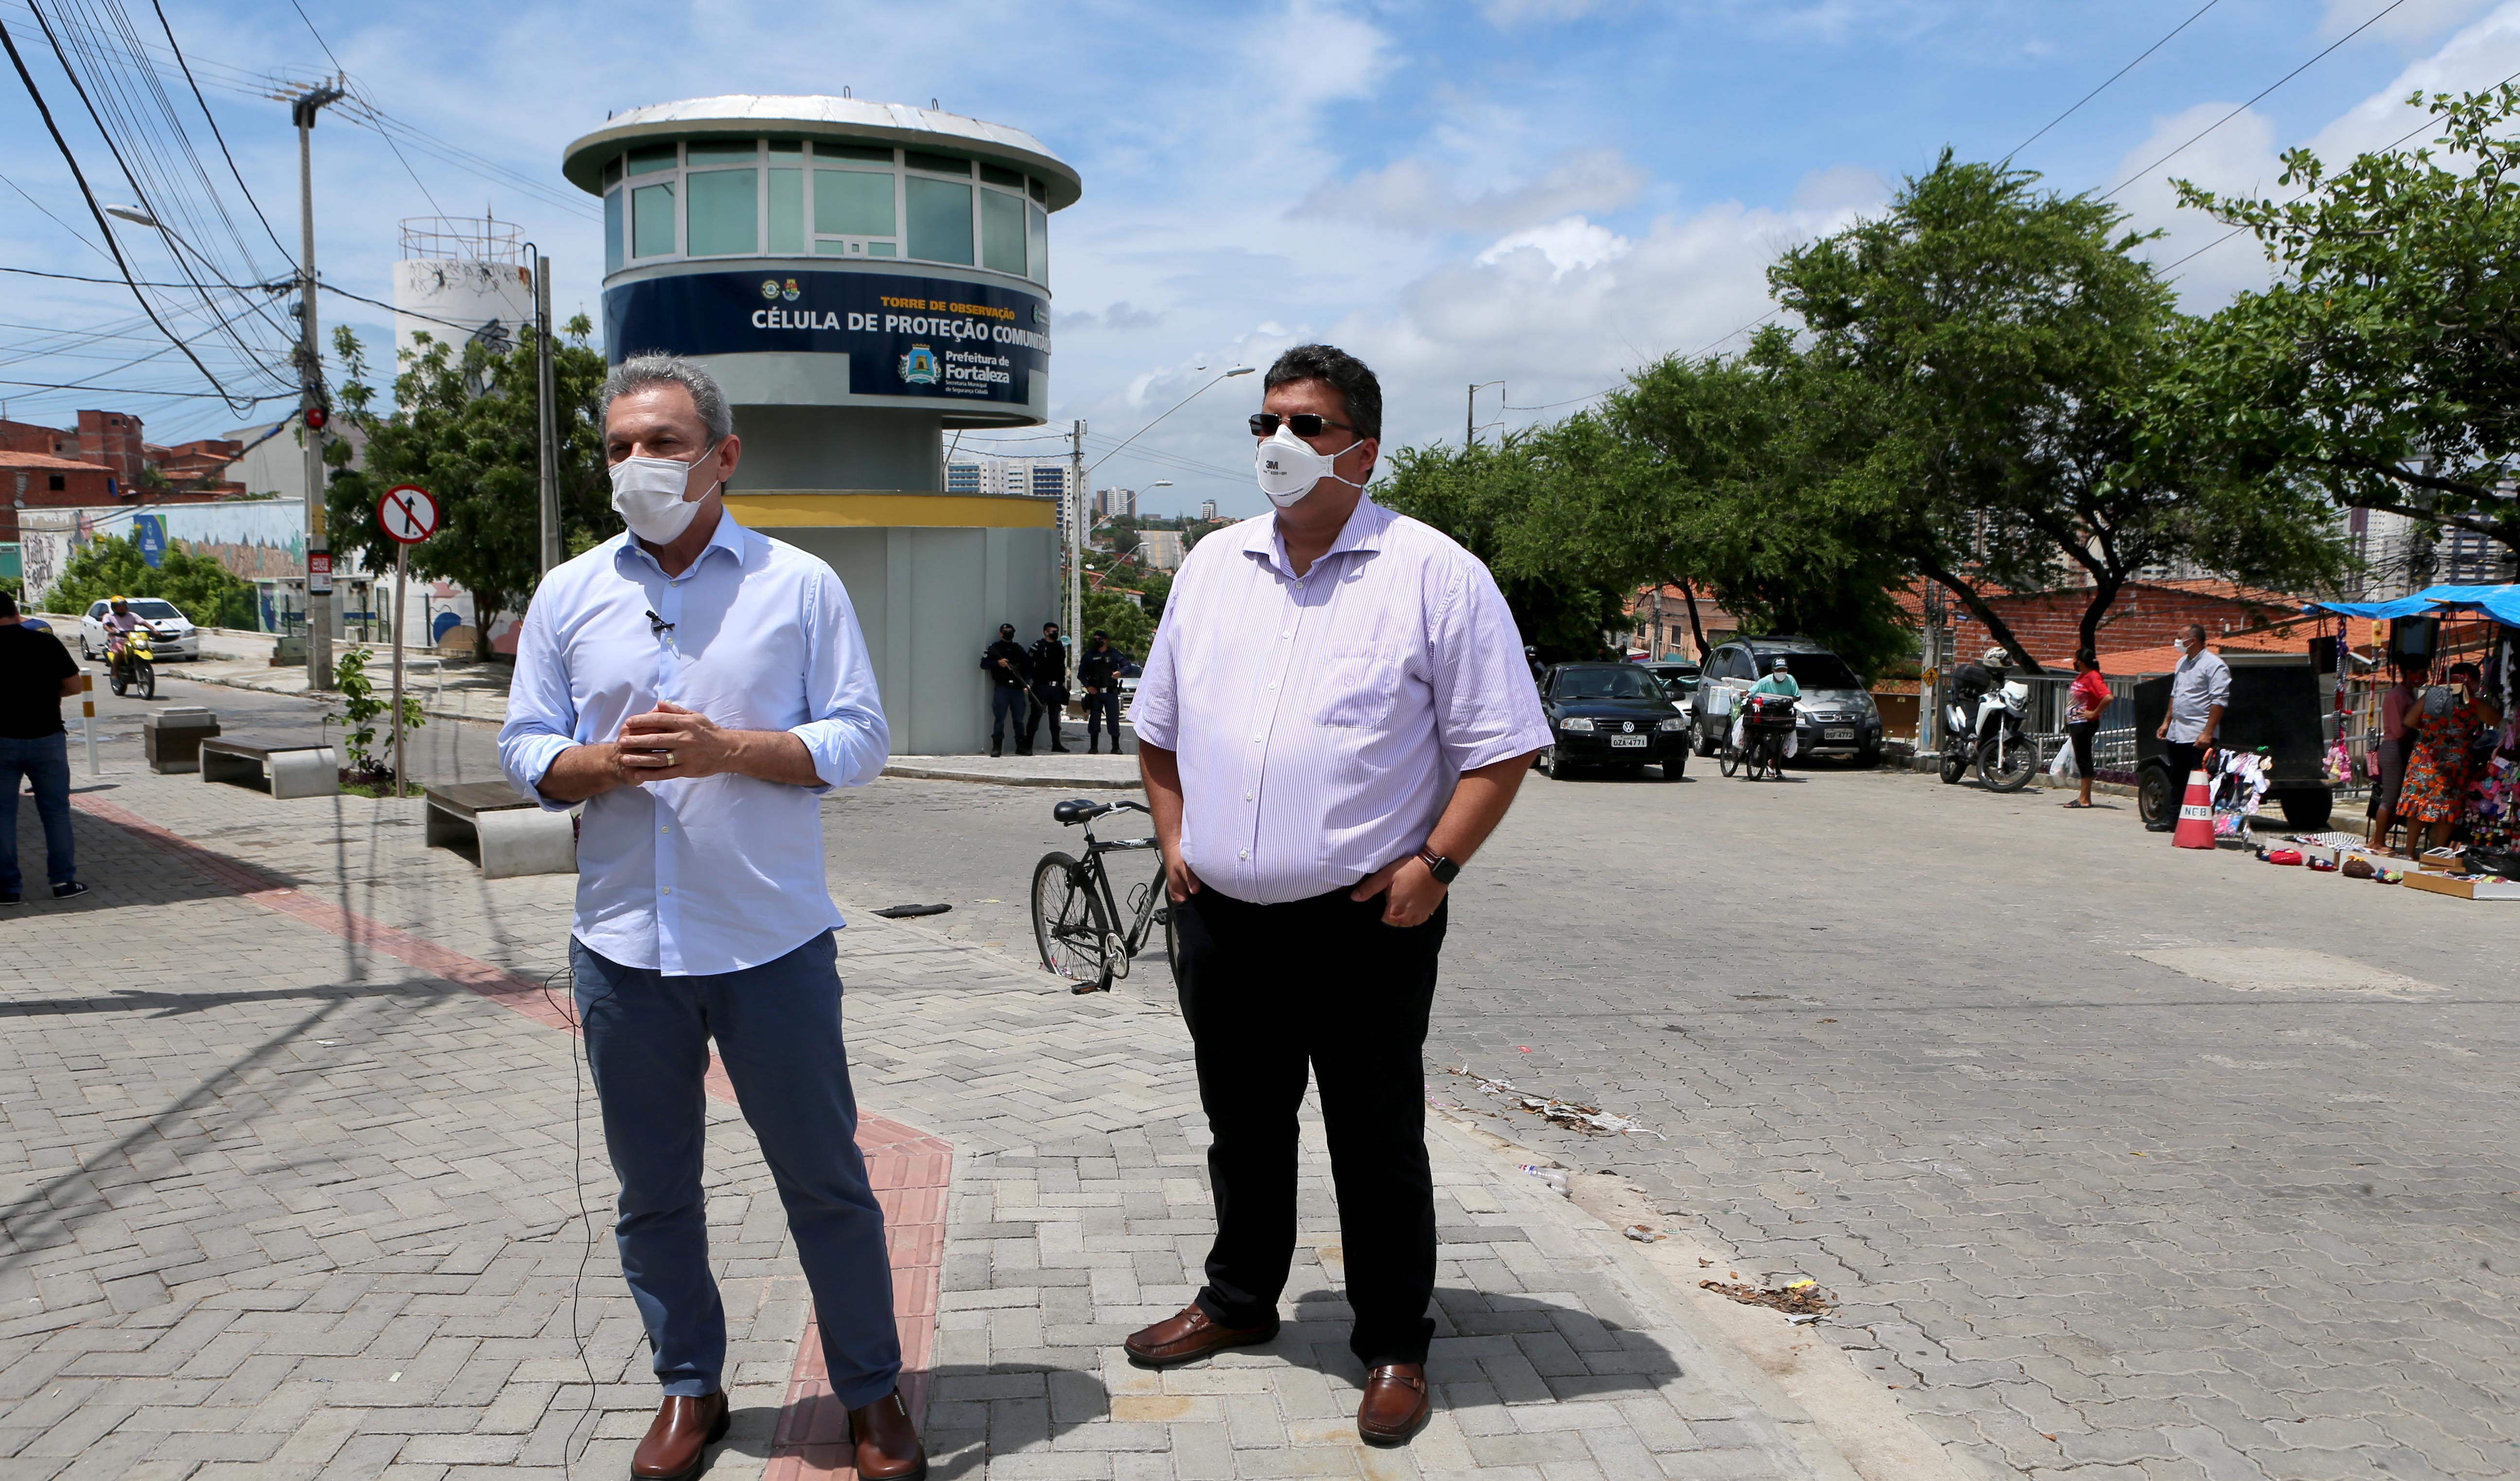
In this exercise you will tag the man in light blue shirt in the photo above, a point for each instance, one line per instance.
(698, 686)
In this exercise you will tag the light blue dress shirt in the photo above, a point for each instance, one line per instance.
(703, 875)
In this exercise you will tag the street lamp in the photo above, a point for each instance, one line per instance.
(1076, 526)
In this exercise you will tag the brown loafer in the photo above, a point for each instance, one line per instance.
(886, 1443)
(1189, 1336)
(1396, 1404)
(679, 1438)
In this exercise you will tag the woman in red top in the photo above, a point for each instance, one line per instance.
(2083, 701)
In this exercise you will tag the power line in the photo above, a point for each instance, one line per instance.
(234, 287)
(388, 138)
(207, 115)
(49, 126)
(2253, 102)
(2113, 76)
(238, 403)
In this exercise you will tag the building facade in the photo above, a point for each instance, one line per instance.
(863, 278)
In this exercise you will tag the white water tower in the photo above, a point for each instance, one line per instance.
(461, 278)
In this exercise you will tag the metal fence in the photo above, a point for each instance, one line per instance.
(2112, 745)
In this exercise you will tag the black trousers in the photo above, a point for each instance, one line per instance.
(2184, 760)
(1271, 992)
(1101, 708)
(2080, 733)
(1043, 701)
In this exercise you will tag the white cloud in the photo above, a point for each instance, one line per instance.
(1508, 13)
(1415, 195)
(1563, 245)
(2413, 20)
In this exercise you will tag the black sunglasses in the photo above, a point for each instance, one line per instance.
(1305, 423)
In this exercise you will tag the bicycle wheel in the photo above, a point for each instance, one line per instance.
(1728, 757)
(1172, 941)
(1067, 922)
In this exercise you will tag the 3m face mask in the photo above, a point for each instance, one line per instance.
(647, 493)
(1289, 468)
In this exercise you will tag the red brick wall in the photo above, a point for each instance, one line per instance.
(2049, 623)
(81, 484)
(112, 438)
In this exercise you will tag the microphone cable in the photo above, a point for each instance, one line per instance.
(579, 1072)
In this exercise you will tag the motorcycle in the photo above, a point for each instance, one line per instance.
(133, 665)
(1996, 740)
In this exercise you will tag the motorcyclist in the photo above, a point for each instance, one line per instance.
(1047, 665)
(1779, 680)
(1097, 673)
(1005, 662)
(118, 621)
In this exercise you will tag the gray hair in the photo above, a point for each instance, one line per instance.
(657, 367)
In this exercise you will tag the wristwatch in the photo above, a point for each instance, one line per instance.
(1444, 870)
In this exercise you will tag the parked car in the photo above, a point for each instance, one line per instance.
(1677, 676)
(1838, 717)
(170, 631)
(1612, 715)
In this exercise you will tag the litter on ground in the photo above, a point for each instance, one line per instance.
(1643, 1234)
(1801, 1301)
(1589, 1119)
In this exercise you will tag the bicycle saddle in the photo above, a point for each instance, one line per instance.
(1077, 810)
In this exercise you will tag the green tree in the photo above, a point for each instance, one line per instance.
(464, 427)
(1132, 630)
(1486, 498)
(2007, 341)
(204, 591)
(2383, 366)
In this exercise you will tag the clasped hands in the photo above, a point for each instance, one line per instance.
(669, 743)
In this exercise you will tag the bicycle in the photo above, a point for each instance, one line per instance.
(1073, 907)
(1763, 738)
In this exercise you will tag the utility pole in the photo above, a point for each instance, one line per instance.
(1470, 417)
(1075, 623)
(310, 398)
(547, 435)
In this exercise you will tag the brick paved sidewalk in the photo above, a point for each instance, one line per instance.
(289, 1189)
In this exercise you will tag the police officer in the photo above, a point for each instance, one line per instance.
(1005, 662)
(1048, 668)
(1097, 673)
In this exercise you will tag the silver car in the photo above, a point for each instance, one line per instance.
(170, 631)
(1837, 715)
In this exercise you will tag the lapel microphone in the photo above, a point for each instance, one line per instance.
(658, 626)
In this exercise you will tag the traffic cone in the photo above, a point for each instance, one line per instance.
(2196, 814)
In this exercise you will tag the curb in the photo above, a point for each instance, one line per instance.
(955, 774)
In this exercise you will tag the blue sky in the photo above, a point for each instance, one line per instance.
(1542, 192)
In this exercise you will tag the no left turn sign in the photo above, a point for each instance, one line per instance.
(406, 513)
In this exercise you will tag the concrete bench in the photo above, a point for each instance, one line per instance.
(501, 833)
(285, 766)
(171, 737)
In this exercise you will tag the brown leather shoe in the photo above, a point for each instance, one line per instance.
(679, 1439)
(1189, 1336)
(1396, 1404)
(888, 1446)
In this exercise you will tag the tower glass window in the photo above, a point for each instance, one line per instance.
(849, 203)
(651, 221)
(786, 209)
(1001, 232)
(940, 220)
(725, 207)
(612, 211)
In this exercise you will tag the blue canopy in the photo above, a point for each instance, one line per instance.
(2501, 603)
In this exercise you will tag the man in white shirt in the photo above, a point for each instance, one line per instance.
(2199, 688)
(698, 686)
(1335, 715)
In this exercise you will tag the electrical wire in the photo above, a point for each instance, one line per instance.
(237, 403)
(2113, 76)
(388, 138)
(57, 221)
(2239, 231)
(2253, 102)
(212, 121)
(237, 287)
(52, 128)
(578, 1075)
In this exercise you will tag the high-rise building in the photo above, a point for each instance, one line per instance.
(1207, 509)
(962, 477)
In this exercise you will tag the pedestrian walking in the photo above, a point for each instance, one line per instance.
(2446, 722)
(2199, 686)
(1097, 674)
(698, 686)
(1047, 666)
(2085, 699)
(1334, 715)
(36, 674)
(1006, 662)
(2397, 739)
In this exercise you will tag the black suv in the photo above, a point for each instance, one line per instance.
(1838, 715)
(1610, 714)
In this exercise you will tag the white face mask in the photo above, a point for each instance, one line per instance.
(1289, 468)
(648, 495)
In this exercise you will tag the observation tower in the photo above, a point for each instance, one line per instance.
(864, 279)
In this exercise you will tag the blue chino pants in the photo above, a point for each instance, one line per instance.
(777, 1030)
(1006, 714)
(44, 762)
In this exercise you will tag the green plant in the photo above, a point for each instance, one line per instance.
(360, 708)
(204, 591)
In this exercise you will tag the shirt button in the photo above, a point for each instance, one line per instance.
(665, 830)
(1285, 635)
(1272, 684)
(1246, 853)
(1246, 796)
(668, 889)
(1255, 740)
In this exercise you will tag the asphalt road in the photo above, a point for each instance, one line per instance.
(1951, 1055)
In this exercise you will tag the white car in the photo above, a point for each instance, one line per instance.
(170, 631)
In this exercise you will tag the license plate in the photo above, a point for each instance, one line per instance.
(1839, 735)
(1629, 743)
